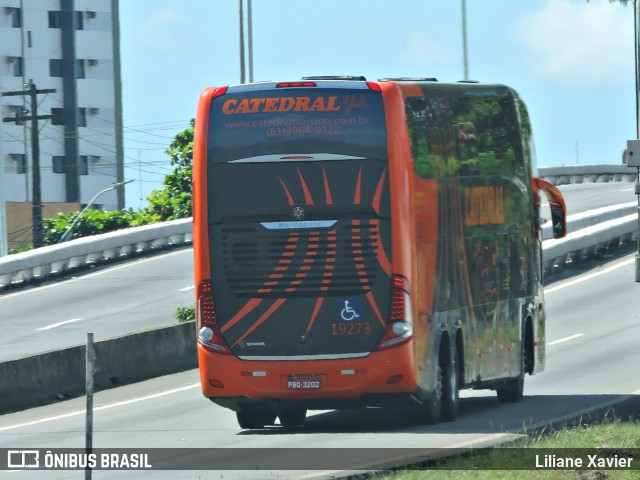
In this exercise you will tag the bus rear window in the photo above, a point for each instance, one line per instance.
(251, 124)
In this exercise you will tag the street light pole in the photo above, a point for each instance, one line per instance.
(242, 64)
(636, 41)
(75, 220)
(250, 39)
(636, 28)
(465, 49)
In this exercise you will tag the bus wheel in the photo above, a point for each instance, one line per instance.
(255, 418)
(430, 410)
(292, 417)
(450, 387)
(512, 390)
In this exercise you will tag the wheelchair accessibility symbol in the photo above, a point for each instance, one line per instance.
(350, 310)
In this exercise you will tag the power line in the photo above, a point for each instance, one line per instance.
(36, 204)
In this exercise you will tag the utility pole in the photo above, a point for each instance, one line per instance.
(90, 361)
(250, 39)
(36, 209)
(631, 145)
(465, 48)
(246, 51)
(4, 248)
(242, 64)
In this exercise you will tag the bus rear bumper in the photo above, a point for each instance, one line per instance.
(316, 384)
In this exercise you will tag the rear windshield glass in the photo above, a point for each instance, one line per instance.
(294, 121)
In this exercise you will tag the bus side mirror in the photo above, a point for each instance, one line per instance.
(558, 207)
(558, 222)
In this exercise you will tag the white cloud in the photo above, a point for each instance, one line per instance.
(572, 41)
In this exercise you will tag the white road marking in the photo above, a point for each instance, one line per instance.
(577, 335)
(59, 324)
(186, 289)
(590, 276)
(102, 407)
(627, 190)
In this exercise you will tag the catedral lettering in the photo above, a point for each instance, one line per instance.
(281, 104)
(372, 269)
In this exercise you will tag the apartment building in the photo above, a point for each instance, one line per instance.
(72, 47)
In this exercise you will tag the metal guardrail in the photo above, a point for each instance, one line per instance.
(596, 231)
(589, 241)
(579, 221)
(588, 174)
(588, 233)
(57, 259)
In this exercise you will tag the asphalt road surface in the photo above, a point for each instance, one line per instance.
(593, 333)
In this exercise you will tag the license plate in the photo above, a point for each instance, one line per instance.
(304, 382)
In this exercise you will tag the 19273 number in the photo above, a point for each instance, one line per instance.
(351, 328)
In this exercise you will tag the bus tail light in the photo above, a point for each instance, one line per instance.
(218, 92)
(400, 326)
(295, 84)
(208, 331)
(374, 86)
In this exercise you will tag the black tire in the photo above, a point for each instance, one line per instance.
(450, 385)
(292, 417)
(252, 419)
(512, 390)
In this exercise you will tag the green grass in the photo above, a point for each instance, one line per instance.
(185, 314)
(478, 466)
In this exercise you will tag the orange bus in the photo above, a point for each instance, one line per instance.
(366, 244)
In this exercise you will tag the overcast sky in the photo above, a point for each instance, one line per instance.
(571, 61)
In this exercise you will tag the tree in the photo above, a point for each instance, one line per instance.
(623, 2)
(174, 200)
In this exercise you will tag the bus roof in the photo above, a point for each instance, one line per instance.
(410, 86)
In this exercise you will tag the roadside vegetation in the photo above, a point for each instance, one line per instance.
(608, 437)
(185, 314)
(171, 202)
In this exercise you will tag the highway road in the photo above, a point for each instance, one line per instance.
(583, 197)
(111, 301)
(144, 293)
(593, 335)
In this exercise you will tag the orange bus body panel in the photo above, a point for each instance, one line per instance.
(201, 246)
(400, 183)
(371, 375)
(392, 370)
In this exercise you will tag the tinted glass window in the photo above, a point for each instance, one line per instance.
(464, 134)
(55, 19)
(55, 67)
(16, 16)
(296, 121)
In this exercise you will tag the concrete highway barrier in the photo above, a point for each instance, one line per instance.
(57, 259)
(588, 174)
(52, 376)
